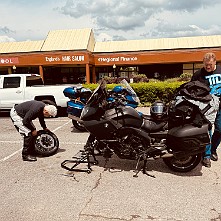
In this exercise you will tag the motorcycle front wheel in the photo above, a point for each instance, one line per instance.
(184, 164)
(46, 143)
(78, 126)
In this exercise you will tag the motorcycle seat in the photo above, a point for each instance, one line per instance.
(152, 126)
(146, 117)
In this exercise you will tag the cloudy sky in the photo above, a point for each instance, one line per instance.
(23, 20)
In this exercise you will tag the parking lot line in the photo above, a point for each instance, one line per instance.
(61, 126)
(11, 155)
(14, 153)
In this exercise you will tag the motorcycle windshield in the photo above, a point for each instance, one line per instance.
(130, 90)
(98, 96)
(96, 103)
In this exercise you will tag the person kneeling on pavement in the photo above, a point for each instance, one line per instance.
(22, 116)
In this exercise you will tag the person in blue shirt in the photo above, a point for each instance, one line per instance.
(210, 74)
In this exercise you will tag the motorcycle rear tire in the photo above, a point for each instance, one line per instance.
(183, 165)
(46, 143)
(78, 126)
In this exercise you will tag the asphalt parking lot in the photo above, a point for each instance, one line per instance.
(43, 190)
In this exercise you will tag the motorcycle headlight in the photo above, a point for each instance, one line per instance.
(84, 112)
(89, 113)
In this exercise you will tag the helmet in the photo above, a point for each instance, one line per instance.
(158, 110)
(117, 89)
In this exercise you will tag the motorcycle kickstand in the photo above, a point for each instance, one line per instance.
(144, 168)
(95, 162)
(136, 169)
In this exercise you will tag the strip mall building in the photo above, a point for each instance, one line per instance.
(74, 56)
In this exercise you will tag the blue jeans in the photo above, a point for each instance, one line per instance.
(216, 138)
(207, 152)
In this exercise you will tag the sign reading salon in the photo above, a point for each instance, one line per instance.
(64, 58)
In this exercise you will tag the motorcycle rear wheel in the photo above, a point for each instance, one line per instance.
(46, 143)
(78, 126)
(184, 164)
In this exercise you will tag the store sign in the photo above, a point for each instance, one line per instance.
(9, 61)
(65, 58)
(117, 59)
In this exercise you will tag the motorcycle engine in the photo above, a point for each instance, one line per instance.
(130, 146)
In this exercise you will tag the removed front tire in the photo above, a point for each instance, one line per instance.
(46, 143)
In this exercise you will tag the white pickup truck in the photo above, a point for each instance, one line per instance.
(17, 88)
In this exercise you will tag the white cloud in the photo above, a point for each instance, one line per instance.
(111, 20)
(103, 37)
(5, 38)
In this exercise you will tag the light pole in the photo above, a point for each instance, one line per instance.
(114, 68)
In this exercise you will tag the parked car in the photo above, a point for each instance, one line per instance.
(17, 88)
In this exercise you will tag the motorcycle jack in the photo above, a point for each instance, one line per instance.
(81, 157)
(84, 157)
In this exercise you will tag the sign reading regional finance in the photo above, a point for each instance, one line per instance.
(117, 59)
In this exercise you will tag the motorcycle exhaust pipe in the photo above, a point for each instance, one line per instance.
(166, 155)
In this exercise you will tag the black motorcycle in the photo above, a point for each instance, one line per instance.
(179, 138)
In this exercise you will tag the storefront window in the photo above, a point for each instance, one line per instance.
(64, 75)
(191, 67)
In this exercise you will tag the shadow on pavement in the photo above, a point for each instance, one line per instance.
(116, 165)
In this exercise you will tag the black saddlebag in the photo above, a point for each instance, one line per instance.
(188, 139)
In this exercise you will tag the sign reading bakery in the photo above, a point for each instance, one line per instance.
(116, 59)
(8, 61)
